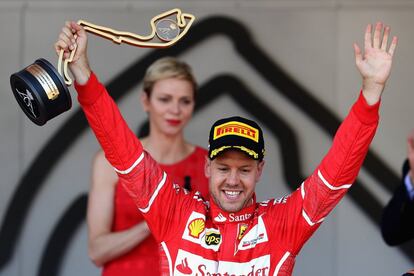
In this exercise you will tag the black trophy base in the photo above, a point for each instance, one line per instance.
(40, 91)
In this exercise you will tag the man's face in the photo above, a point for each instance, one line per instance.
(232, 179)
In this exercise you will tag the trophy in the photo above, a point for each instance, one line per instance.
(42, 91)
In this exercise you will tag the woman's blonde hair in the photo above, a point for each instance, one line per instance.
(167, 67)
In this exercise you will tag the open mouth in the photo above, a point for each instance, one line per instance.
(232, 195)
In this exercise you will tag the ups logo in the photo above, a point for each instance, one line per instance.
(213, 238)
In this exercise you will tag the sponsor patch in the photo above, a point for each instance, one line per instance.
(236, 128)
(195, 227)
(183, 267)
(220, 218)
(199, 265)
(253, 242)
(241, 230)
(213, 237)
(257, 234)
(243, 217)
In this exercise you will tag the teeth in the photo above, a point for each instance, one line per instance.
(232, 193)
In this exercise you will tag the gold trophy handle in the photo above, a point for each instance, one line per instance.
(65, 74)
(167, 30)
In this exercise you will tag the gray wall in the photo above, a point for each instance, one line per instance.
(310, 40)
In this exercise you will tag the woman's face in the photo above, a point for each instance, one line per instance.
(170, 105)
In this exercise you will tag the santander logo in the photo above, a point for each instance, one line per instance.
(252, 271)
(243, 217)
(184, 268)
(232, 217)
(220, 218)
(188, 263)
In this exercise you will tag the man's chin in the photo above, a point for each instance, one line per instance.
(231, 208)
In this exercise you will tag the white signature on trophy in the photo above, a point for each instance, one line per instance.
(27, 98)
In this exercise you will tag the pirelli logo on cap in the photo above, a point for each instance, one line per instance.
(236, 128)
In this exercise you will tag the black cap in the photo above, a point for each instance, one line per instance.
(236, 133)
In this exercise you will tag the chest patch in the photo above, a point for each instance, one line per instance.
(195, 227)
(241, 230)
(213, 237)
(257, 234)
(191, 264)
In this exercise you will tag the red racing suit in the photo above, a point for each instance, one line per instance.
(197, 236)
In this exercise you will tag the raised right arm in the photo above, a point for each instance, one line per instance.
(144, 180)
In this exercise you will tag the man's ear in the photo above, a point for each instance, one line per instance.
(143, 98)
(260, 168)
(207, 167)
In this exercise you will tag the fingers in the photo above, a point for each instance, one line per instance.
(393, 45)
(377, 35)
(384, 43)
(358, 54)
(61, 45)
(367, 37)
(66, 39)
(75, 27)
(379, 40)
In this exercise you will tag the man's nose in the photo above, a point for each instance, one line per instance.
(233, 178)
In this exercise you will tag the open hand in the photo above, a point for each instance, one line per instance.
(375, 63)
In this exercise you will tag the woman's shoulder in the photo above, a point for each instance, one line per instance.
(99, 159)
(200, 149)
(199, 152)
(102, 171)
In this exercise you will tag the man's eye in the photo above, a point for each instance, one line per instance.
(245, 170)
(164, 100)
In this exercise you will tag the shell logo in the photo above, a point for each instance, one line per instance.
(196, 227)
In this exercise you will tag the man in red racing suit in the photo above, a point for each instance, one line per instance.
(261, 238)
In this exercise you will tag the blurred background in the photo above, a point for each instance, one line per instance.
(287, 64)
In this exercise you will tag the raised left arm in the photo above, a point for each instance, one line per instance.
(376, 61)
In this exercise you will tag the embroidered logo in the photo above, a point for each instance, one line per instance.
(183, 267)
(196, 227)
(243, 217)
(241, 230)
(212, 237)
(253, 242)
(236, 128)
(220, 218)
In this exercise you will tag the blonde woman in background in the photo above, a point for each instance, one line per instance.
(119, 238)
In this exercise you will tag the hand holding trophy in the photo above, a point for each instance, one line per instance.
(42, 91)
